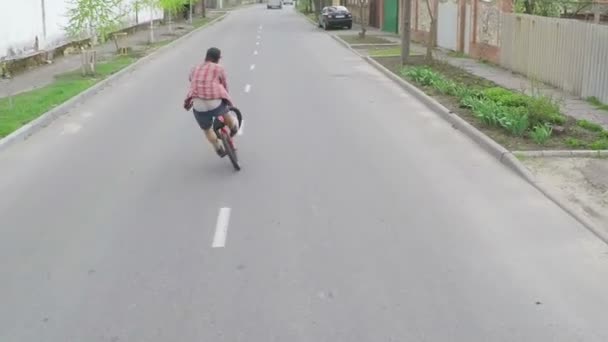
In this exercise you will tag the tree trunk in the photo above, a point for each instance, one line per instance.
(152, 29)
(204, 9)
(406, 31)
(432, 31)
(431, 42)
(362, 20)
(88, 59)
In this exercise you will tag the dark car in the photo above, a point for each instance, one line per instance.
(335, 16)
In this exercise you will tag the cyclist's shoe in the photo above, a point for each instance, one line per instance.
(221, 152)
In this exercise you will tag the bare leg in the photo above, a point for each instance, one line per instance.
(212, 137)
(231, 121)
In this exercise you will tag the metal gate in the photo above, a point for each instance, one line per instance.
(391, 16)
(447, 24)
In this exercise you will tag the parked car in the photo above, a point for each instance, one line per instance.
(287, 2)
(335, 16)
(275, 4)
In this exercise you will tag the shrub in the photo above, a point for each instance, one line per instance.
(506, 97)
(540, 134)
(543, 110)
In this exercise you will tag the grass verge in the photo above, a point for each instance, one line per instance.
(385, 52)
(369, 39)
(25, 107)
(514, 120)
(597, 103)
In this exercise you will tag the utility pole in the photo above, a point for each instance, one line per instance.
(406, 31)
(190, 12)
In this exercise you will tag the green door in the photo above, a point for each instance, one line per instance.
(391, 16)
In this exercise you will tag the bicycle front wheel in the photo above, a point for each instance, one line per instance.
(230, 151)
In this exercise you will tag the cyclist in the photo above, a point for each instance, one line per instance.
(208, 97)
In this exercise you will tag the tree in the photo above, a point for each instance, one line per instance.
(430, 44)
(406, 31)
(95, 19)
(151, 5)
(172, 7)
(362, 19)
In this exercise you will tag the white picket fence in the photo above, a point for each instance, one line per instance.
(568, 54)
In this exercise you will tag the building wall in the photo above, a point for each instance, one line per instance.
(21, 22)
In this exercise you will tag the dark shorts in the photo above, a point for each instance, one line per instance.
(205, 119)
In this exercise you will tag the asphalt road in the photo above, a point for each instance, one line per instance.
(359, 215)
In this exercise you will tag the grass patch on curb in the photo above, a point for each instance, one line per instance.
(369, 39)
(513, 119)
(385, 52)
(597, 103)
(30, 105)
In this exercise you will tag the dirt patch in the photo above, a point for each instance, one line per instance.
(583, 182)
(561, 140)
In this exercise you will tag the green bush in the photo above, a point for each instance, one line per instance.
(496, 106)
(506, 97)
(590, 126)
(540, 134)
(543, 110)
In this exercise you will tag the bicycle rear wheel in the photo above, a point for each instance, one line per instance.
(230, 151)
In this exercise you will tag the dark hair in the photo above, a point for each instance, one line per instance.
(213, 55)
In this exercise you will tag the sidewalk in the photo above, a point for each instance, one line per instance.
(570, 105)
(45, 75)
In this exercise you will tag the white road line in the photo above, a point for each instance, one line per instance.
(241, 127)
(257, 43)
(221, 229)
(260, 27)
(258, 37)
(252, 67)
(255, 52)
(248, 88)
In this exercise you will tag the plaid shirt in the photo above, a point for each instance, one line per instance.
(208, 81)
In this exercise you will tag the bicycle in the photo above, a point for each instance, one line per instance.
(223, 132)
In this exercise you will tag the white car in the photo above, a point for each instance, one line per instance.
(275, 4)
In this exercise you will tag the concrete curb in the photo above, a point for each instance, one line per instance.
(27, 130)
(499, 152)
(563, 154)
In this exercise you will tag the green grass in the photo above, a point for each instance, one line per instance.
(590, 126)
(369, 39)
(30, 105)
(457, 54)
(385, 52)
(597, 103)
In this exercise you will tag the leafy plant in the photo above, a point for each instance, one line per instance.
(515, 120)
(541, 133)
(94, 18)
(422, 75)
(543, 110)
(590, 126)
(506, 97)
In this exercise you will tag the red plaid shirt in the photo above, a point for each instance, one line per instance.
(208, 81)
